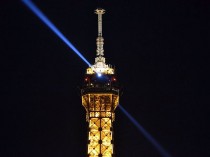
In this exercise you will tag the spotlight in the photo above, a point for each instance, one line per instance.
(99, 74)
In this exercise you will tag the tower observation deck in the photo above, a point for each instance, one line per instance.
(100, 97)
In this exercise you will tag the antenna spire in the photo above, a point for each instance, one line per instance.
(100, 67)
(100, 39)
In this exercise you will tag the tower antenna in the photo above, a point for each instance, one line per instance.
(100, 66)
(100, 39)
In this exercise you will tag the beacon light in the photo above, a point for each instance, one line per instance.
(99, 74)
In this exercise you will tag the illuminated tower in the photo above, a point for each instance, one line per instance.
(100, 97)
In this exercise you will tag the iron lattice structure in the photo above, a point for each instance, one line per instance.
(100, 97)
(100, 115)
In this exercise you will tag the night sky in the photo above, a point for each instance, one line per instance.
(160, 52)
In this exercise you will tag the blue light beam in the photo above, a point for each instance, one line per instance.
(46, 21)
(149, 137)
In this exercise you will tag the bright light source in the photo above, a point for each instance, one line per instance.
(99, 74)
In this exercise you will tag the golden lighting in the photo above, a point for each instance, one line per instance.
(100, 115)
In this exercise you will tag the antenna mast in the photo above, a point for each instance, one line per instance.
(100, 66)
(100, 39)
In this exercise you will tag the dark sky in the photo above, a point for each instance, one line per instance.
(159, 49)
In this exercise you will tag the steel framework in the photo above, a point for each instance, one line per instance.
(100, 97)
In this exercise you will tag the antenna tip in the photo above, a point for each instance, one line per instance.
(99, 11)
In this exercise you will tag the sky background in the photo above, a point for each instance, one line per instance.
(160, 51)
